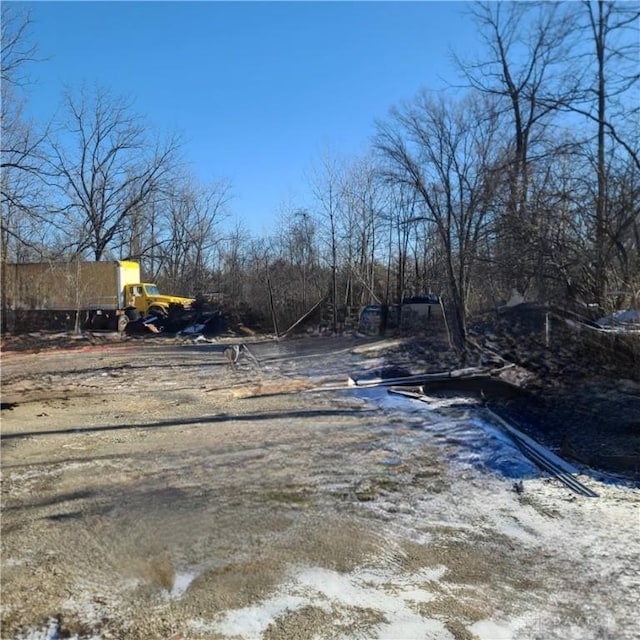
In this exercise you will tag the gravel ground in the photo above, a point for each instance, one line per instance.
(149, 491)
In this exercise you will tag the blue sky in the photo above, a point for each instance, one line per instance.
(257, 90)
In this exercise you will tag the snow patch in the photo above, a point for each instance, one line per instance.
(251, 622)
(181, 583)
(490, 630)
(389, 594)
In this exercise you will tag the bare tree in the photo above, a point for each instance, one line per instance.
(105, 168)
(525, 46)
(326, 182)
(258, 294)
(448, 155)
(22, 222)
(23, 225)
(623, 228)
(359, 225)
(233, 264)
(404, 219)
(614, 83)
(303, 254)
(190, 237)
(616, 73)
(17, 49)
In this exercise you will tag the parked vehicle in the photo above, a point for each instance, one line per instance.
(96, 295)
(371, 318)
(414, 314)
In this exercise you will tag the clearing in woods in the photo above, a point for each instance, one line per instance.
(150, 490)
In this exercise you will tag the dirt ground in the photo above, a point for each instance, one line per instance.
(148, 491)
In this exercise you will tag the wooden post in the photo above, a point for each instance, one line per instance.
(446, 324)
(274, 319)
(547, 329)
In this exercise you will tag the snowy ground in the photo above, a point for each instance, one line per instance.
(342, 513)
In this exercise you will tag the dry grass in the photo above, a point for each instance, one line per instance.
(303, 623)
(339, 545)
(315, 622)
(270, 388)
(162, 572)
(459, 631)
(235, 585)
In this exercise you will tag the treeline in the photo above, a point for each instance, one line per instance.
(525, 177)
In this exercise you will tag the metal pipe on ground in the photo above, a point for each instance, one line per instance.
(539, 455)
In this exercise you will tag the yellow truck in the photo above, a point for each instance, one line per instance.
(95, 295)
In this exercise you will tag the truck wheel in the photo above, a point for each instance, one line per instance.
(123, 321)
(97, 322)
(159, 312)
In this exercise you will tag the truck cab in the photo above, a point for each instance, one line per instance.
(147, 299)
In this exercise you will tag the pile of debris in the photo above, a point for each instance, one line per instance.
(179, 321)
(580, 385)
(556, 346)
(627, 320)
(584, 384)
